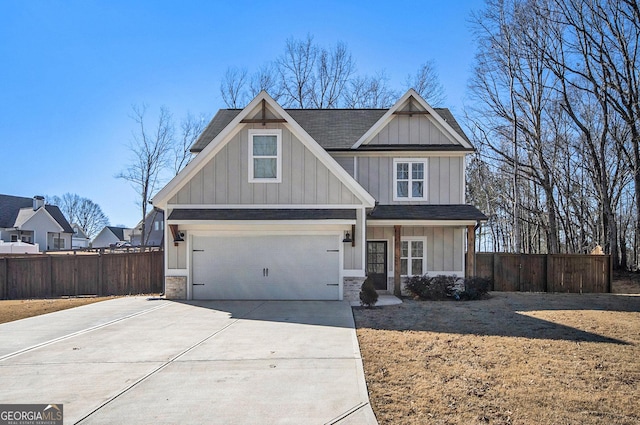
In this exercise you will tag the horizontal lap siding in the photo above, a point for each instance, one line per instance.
(225, 179)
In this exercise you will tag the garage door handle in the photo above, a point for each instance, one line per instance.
(333, 284)
(333, 250)
(198, 284)
(198, 250)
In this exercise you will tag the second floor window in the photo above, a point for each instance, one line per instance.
(265, 159)
(409, 179)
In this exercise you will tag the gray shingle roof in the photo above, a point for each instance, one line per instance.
(333, 129)
(262, 214)
(10, 206)
(426, 212)
(118, 231)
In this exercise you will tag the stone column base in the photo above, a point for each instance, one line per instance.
(351, 288)
(175, 287)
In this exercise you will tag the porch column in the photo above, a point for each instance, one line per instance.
(397, 284)
(470, 266)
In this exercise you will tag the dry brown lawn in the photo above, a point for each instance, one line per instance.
(11, 310)
(515, 358)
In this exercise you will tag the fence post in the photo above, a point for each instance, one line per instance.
(75, 274)
(610, 274)
(100, 271)
(49, 278)
(5, 295)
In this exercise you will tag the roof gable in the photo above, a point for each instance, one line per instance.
(18, 210)
(411, 103)
(261, 108)
(10, 207)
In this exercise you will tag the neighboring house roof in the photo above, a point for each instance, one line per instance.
(59, 217)
(262, 214)
(10, 207)
(426, 212)
(118, 232)
(16, 210)
(333, 129)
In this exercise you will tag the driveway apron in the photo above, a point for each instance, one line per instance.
(139, 361)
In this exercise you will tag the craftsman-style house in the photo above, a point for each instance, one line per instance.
(304, 203)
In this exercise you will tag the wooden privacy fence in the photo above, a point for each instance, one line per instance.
(50, 275)
(546, 272)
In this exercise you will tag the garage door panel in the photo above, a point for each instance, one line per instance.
(266, 267)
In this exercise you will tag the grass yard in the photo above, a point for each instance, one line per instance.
(11, 310)
(516, 358)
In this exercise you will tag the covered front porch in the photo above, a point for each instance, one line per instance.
(409, 240)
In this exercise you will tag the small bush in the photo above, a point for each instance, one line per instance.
(475, 288)
(439, 287)
(368, 294)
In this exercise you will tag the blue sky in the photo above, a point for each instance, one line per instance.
(70, 71)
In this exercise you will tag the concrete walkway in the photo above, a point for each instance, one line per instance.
(138, 361)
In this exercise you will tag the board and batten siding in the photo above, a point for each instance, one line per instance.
(415, 130)
(445, 179)
(224, 179)
(445, 246)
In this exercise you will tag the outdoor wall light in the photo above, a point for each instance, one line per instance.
(349, 237)
(178, 236)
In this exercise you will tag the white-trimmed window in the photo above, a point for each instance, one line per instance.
(58, 243)
(265, 156)
(413, 257)
(409, 179)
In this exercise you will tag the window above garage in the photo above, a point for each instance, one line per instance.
(265, 156)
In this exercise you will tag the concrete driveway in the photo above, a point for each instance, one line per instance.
(138, 361)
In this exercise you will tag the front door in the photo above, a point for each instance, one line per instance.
(377, 263)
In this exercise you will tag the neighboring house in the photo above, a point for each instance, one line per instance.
(31, 221)
(154, 230)
(80, 238)
(304, 203)
(110, 236)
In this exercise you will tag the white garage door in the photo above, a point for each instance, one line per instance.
(275, 267)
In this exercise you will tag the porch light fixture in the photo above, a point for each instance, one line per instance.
(349, 237)
(178, 236)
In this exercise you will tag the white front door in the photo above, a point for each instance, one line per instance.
(270, 267)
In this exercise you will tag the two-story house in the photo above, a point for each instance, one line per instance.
(305, 203)
(32, 221)
(153, 230)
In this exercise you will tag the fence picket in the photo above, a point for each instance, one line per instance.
(52, 275)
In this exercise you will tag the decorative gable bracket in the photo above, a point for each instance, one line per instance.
(263, 120)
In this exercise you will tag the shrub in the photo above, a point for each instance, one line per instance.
(475, 288)
(438, 287)
(368, 294)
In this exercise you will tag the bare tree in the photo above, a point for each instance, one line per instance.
(233, 87)
(81, 211)
(150, 151)
(190, 129)
(369, 92)
(266, 79)
(296, 69)
(427, 83)
(334, 69)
